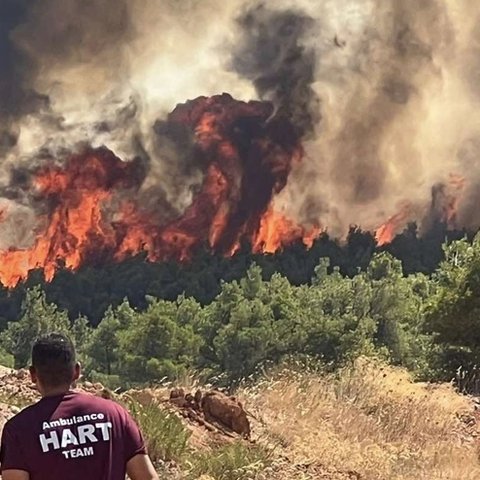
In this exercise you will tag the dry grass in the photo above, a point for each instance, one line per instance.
(368, 422)
(370, 419)
(234, 461)
(165, 435)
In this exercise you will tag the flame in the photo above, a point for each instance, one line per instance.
(93, 215)
(386, 232)
(75, 228)
(445, 201)
(276, 230)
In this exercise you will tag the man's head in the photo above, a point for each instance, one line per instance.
(54, 367)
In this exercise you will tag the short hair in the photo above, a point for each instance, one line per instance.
(53, 358)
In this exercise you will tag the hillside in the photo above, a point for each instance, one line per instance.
(257, 221)
(369, 422)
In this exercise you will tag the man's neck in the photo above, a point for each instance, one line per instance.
(54, 392)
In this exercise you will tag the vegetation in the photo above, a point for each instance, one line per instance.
(426, 323)
(165, 435)
(354, 342)
(235, 461)
(369, 420)
(93, 289)
(365, 420)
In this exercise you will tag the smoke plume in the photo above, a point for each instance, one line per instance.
(272, 54)
(385, 94)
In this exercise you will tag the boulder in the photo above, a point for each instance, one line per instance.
(226, 410)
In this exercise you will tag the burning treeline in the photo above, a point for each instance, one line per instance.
(364, 112)
(93, 215)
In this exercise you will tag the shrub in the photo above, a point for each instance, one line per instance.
(6, 359)
(164, 433)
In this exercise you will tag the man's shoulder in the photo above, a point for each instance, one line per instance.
(94, 401)
(23, 417)
(90, 402)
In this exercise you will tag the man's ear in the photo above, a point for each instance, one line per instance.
(33, 374)
(77, 372)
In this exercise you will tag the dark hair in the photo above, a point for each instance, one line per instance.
(53, 357)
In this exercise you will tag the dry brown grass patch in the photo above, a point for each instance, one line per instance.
(371, 419)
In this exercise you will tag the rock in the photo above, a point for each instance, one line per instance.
(177, 393)
(22, 374)
(226, 410)
(214, 410)
(5, 370)
(144, 397)
(178, 398)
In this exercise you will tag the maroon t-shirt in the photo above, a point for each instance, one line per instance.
(69, 437)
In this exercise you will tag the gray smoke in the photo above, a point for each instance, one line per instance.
(15, 100)
(359, 167)
(272, 54)
(390, 79)
(385, 92)
(38, 36)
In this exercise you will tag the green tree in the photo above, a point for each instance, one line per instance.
(247, 339)
(102, 348)
(37, 317)
(337, 319)
(453, 311)
(157, 345)
(397, 307)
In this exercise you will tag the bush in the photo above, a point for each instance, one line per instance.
(164, 433)
(6, 359)
(112, 382)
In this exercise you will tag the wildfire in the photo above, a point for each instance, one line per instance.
(444, 207)
(247, 156)
(276, 229)
(386, 232)
(91, 213)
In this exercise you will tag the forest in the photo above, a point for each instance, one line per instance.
(413, 303)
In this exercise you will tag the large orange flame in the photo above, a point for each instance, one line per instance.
(93, 217)
(276, 230)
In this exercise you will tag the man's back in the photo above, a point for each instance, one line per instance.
(71, 436)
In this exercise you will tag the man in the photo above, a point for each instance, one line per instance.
(69, 435)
